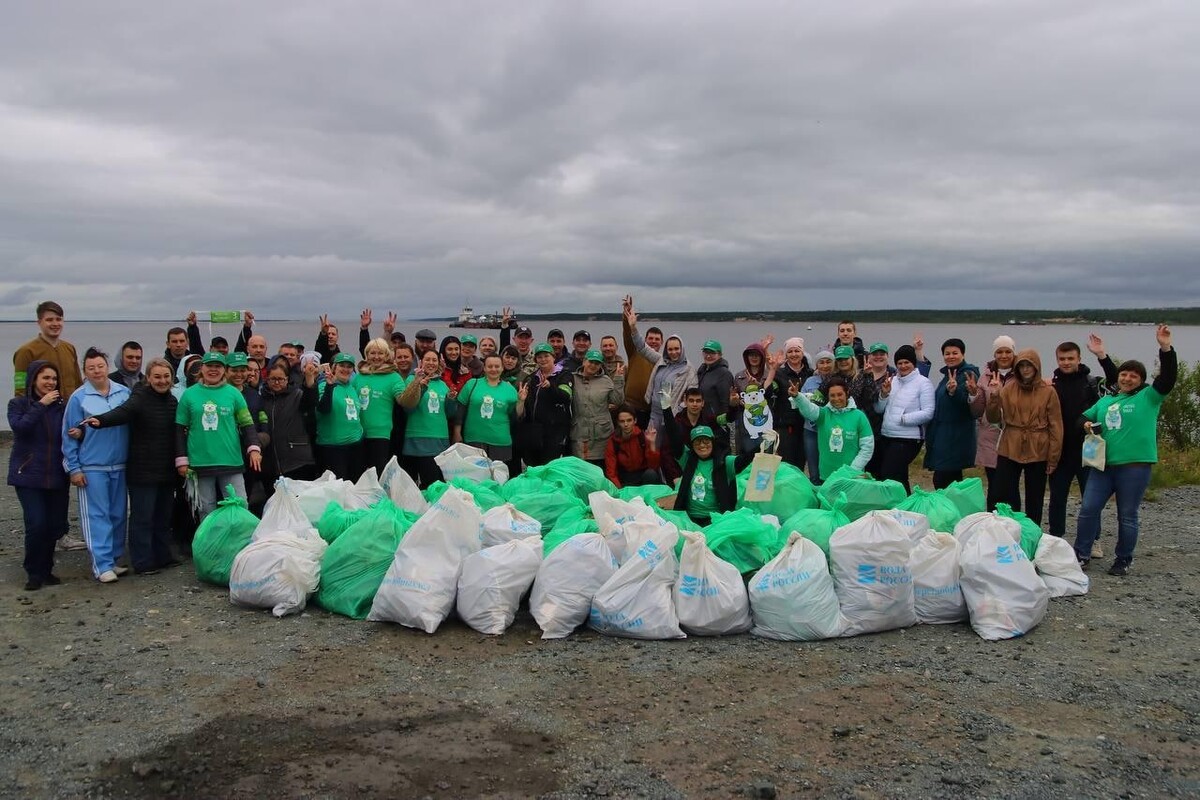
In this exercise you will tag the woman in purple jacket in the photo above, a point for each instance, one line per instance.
(36, 470)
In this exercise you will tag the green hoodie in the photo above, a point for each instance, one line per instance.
(844, 436)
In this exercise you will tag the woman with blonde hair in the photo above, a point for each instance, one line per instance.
(379, 387)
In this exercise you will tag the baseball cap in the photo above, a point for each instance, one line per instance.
(844, 351)
(582, 335)
(343, 358)
(543, 348)
(397, 336)
(877, 347)
(524, 331)
(713, 345)
(701, 431)
(469, 339)
(237, 360)
(593, 355)
(555, 332)
(213, 357)
(425, 333)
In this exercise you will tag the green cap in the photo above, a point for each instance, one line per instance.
(713, 345)
(213, 357)
(702, 432)
(543, 348)
(844, 351)
(237, 360)
(469, 339)
(343, 358)
(878, 347)
(593, 355)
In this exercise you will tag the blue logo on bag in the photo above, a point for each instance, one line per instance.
(762, 480)
(649, 553)
(764, 581)
(866, 573)
(1004, 554)
(693, 586)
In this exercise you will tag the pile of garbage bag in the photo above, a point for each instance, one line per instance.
(854, 556)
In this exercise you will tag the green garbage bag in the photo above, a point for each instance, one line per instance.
(1031, 532)
(943, 514)
(220, 537)
(650, 493)
(485, 493)
(863, 493)
(818, 524)
(524, 484)
(967, 495)
(572, 522)
(334, 522)
(793, 492)
(356, 562)
(743, 539)
(575, 475)
(548, 505)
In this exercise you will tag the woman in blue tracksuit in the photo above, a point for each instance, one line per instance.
(95, 460)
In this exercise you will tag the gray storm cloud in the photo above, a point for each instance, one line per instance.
(310, 156)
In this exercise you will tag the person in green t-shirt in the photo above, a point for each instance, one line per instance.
(844, 433)
(339, 420)
(213, 427)
(1128, 422)
(429, 408)
(707, 484)
(490, 407)
(379, 387)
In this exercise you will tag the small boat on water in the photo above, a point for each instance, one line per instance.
(467, 318)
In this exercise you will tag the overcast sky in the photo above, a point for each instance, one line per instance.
(294, 157)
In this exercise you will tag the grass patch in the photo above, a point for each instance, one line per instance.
(1174, 468)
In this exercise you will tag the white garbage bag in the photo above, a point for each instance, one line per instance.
(500, 472)
(968, 525)
(283, 513)
(402, 489)
(366, 492)
(1004, 594)
(869, 560)
(277, 570)
(638, 531)
(792, 596)
(710, 597)
(937, 593)
(418, 590)
(567, 581)
(494, 580)
(505, 523)
(1059, 569)
(636, 601)
(915, 524)
(313, 496)
(463, 461)
(612, 514)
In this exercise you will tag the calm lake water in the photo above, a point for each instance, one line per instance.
(1121, 341)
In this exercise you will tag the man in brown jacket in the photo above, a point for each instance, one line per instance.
(642, 355)
(1031, 433)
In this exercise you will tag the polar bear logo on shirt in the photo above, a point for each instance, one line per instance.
(209, 419)
(757, 415)
(351, 408)
(836, 439)
(487, 407)
(364, 397)
(433, 403)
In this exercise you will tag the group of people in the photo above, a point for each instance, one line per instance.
(152, 446)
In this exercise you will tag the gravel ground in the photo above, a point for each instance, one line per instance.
(158, 687)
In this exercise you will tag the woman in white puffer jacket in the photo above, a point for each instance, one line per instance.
(906, 402)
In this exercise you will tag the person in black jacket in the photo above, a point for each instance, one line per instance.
(150, 473)
(795, 369)
(1077, 391)
(547, 424)
(289, 409)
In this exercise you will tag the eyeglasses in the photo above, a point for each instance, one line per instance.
(277, 379)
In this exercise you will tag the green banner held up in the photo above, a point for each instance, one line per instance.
(224, 316)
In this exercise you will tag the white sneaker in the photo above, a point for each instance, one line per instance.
(121, 571)
(108, 576)
(1097, 552)
(69, 542)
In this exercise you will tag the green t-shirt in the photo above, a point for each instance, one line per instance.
(702, 496)
(213, 416)
(839, 436)
(429, 420)
(488, 412)
(1129, 425)
(343, 423)
(376, 398)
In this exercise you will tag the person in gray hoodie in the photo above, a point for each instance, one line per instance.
(671, 374)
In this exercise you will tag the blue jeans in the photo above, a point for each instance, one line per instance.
(1128, 482)
(45, 512)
